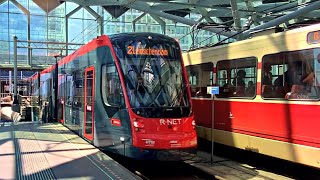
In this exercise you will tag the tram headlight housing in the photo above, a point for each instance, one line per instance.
(193, 123)
(137, 124)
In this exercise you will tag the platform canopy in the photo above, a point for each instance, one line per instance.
(47, 28)
(226, 17)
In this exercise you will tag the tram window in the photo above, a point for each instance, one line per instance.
(237, 77)
(78, 100)
(200, 76)
(295, 75)
(111, 86)
(69, 91)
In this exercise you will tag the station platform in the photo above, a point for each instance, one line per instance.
(31, 150)
(226, 169)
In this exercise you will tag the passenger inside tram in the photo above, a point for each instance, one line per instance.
(300, 80)
(250, 91)
(280, 89)
(239, 83)
(267, 90)
(293, 74)
(267, 75)
(297, 92)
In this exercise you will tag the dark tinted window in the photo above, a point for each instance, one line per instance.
(200, 76)
(294, 75)
(237, 77)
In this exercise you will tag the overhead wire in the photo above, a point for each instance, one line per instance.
(104, 22)
(266, 11)
(211, 36)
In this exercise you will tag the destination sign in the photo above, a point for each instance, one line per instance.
(313, 37)
(147, 51)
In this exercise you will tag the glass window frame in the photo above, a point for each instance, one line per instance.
(288, 58)
(233, 66)
(198, 89)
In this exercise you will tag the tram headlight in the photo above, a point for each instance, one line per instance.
(137, 124)
(193, 124)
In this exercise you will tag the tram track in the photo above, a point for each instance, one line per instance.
(160, 170)
(228, 163)
(261, 163)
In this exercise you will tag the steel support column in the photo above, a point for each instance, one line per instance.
(67, 27)
(15, 69)
(235, 14)
(161, 22)
(135, 21)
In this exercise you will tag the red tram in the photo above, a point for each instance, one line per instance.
(127, 93)
(269, 91)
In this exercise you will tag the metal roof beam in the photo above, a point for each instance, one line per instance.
(285, 18)
(136, 20)
(73, 11)
(279, 6)
(204, 3)
(161, 22)
(253, 16)
(235, 14)
(164, 6)
(19, 6)
(2, 1)
(101, 2)
(67, 26)
(99, 19)
(204, 14)
(144, 7)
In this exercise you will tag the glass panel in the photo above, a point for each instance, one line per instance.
(91, 30)
(14, 9)
(24, 3)
(4, 52)
(58, 11)
(4, 27)
(87, 15)
(200, 76)
(237, 77)
(18, 25)
(35, 9)
(56, 29)
(97, 9)
(78, 14)
(294, 75)
(89, 100)
(74, 30)
(111, 86)
(107, 16)
(70, 6)
(153, 72)
(39, 28)
(4, 7)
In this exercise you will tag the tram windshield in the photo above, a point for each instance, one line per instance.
(153, 73)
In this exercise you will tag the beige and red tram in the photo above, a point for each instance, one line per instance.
(269, 90)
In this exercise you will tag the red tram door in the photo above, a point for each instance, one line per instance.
(89, 103)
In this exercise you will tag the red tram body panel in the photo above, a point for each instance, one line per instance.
(269, 92)
(126, 93)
